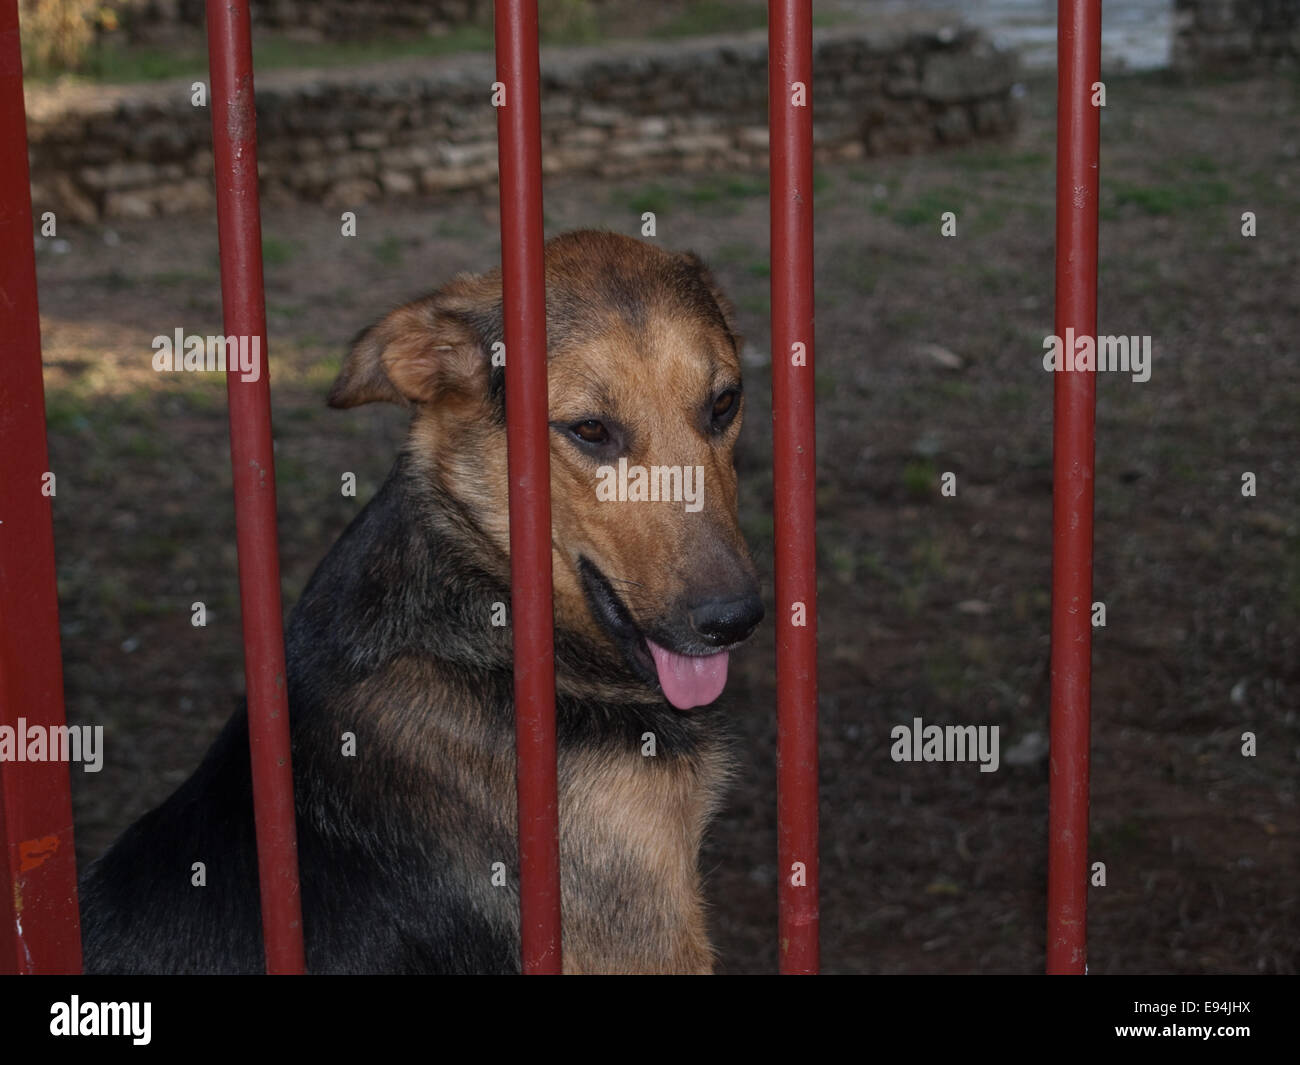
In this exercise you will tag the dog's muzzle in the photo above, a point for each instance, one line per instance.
(696, 673)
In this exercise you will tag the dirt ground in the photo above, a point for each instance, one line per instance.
(929, 354)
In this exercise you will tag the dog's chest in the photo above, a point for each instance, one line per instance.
(630, 833)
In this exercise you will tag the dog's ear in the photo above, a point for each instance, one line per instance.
(725, 307)
(425, 350)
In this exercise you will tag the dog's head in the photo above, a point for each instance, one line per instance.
(645, 404)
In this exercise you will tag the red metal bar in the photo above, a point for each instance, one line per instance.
(42, 928)
(794, 472)
(239, 227)
(519, 142)
(1074, 414)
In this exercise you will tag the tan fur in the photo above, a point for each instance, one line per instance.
(655, 819)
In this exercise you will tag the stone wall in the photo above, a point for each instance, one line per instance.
(1227, 34)
(428, 127)
(335, 19)
(332, 19)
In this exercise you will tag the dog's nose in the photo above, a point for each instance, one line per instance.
(727, 621)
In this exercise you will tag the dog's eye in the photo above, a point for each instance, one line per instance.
(724, 408)
(590, 432)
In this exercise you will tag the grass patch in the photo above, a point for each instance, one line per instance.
(994, 159)
(1168, 199)
(85, 408)
(1117, 836)
(66, 412)
(703, 17)
(723, 191)
(570, 22)
(168, 278)
(716, 190)
(858, 271)
(757, 302)
(277, 252)
(114, 61)
(202, 393)
(648, 198)
(843, 562)
(928, 208)
(735, 254)
(988, 218)
(118, 281)
(745, 257)
(946, 678)
(320, 375)
(459, 226)
(288, 311)
(388, 251)
(712, 16)
(927, 557)
(920, 478)
(1200, 164)
(145, 445)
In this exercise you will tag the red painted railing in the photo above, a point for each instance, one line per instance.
(239, 225)
(42, 932)
(528, 446)
(1077, 141)
(794, 473)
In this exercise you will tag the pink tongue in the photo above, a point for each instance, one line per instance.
(688, 680)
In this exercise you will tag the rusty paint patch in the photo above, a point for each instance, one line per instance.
(241, 119)
(35, 852)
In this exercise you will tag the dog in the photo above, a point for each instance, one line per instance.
(400, 683)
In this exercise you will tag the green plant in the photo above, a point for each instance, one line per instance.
(57, 34)
(920, 478)
(568, 21)
(276, 252)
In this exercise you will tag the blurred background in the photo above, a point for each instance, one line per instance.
(928, 360)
